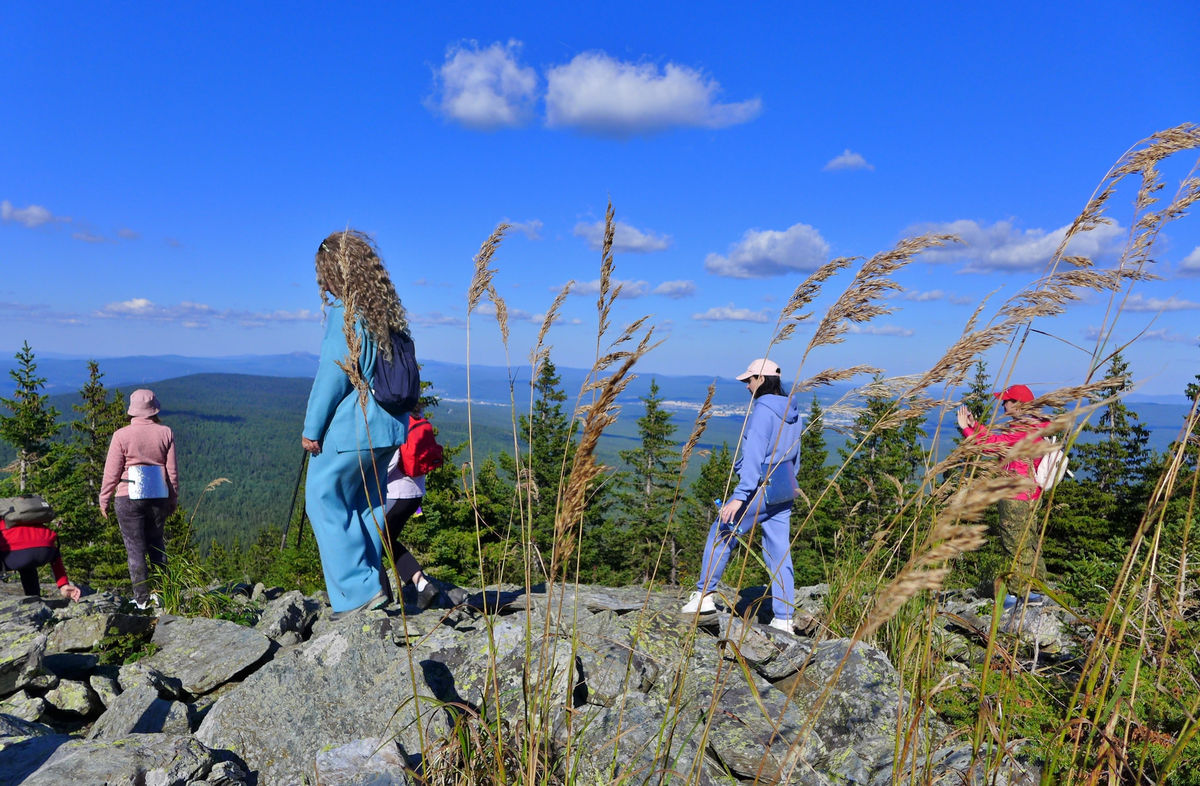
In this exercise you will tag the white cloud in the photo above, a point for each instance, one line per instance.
(30, 216)
(879, 330)
(847, 160)
(488, 308)
(626, 238)
(126, 233)
(532, 228)
(675, 290)
(1138, 302)
(599, 94)
(485, 88)
(769, 252)
(435, 318)
(1190, 266)
(630, 289)
(918, 296)
(1001, 247)
(731, 314)
(1160, 334)
(190, 314)
(88, 237)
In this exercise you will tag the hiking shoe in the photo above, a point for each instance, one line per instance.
(699, 602)
(1036, 599)
(143, 605)
(428, 596)
(378, 602)
(783, 625)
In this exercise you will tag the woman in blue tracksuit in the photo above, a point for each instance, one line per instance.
(349, 436)
(771, 439)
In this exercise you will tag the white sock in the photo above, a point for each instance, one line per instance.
(422, 584)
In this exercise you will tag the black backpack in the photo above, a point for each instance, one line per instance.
(25, 509)
(397, 377)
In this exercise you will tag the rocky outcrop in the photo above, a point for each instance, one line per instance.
(606, 684)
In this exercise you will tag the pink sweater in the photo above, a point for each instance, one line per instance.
(141, 442)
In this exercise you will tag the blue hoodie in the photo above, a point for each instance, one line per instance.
(771, 417)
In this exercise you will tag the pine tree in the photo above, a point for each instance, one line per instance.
(31, 425)
(882, 466)
(647, 493)
(816, 540)
(712, 486)
(549, 436)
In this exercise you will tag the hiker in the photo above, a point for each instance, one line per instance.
(766, 469)
(350, 438)
(1017, 535)
(26, 544)
(419, 454)
(141, 473)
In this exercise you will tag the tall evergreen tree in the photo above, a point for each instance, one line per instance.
(550, 439)
(882, 465)
(31, 425)
(979, 398)
(99, 417)
(647, 493)
(813, 510)
(712, 486)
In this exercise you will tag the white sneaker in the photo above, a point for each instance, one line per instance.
(782, 625)
(699, 602)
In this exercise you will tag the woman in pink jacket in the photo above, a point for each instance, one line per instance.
(141, 473)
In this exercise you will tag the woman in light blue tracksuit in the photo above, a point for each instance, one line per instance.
(771, 439)
(350, 437)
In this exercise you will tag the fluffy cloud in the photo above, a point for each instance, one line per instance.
(485, 88)
(190, 314)
(847, 160)
(436, 318)
(89, 237)
(1137, 302)
(128, 234)
(676, 290)
(1161, 334)
(731, 314)
(1001, 247)
(532, 229)
(488, 308)
(626, 238)
(30, 216)
(769, 252)
(879, 330)
(599, 94)
(1190, 266)
(629, 289)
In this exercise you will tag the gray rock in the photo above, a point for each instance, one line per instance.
(612, 670)
(347, 684)
(12, 726)
(74, 697)
(372, 762)
(142, 674)
(203, 653)
(21, 755)
(289, 613)
(85, 633)
(22, 647)
(159, 759)
(105, 686)
(140, 710)
(22, 705)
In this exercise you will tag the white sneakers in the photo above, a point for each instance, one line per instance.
(699, 602)
(782, 625)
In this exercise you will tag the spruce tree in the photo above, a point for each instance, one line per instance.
(550, 439)
(31, 425)
(690, 531)
(979, 399)
(814, 528)
(647, 493)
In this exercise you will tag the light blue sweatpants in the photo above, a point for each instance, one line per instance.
(773, 522)
(347, 518)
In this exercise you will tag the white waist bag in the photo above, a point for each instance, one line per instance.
(148, 481)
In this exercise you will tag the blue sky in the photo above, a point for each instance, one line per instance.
(167, 170)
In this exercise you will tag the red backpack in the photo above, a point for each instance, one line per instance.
(420, 454)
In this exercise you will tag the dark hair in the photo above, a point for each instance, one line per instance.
(770, 386)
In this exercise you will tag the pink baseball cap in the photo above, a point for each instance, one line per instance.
(760, 367)
(1015, 393)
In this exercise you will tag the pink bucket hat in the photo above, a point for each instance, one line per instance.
(760, 367)
(142, 404)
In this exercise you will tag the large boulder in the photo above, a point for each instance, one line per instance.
(140, 710)
(203, 654)
(159, 759)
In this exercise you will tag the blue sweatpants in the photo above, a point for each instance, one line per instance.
(773, 521)
(344, 495)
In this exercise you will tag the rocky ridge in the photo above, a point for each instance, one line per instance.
(611, 683)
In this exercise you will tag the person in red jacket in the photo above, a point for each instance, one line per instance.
(1018, 537)
(419, 454)
(25, 548)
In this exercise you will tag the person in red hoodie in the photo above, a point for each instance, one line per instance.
(25, 548)
(1018, 537)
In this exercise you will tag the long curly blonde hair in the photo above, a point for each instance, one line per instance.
(349, 268)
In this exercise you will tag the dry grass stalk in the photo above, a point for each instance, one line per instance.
(539, 353)
(803, 295)
(858, 303)
(605, 299)
(831, 375)
(501, 311)
(482, 279)
(698, 429)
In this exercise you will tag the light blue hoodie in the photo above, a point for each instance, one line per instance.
(772, 435)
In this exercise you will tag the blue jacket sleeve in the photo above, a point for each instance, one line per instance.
(759, 428)
(331, 385)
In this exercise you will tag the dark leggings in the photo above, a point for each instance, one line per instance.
(406, 564)
(26, 563)
(143, 522)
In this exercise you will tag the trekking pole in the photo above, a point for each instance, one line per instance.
(292, 507)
